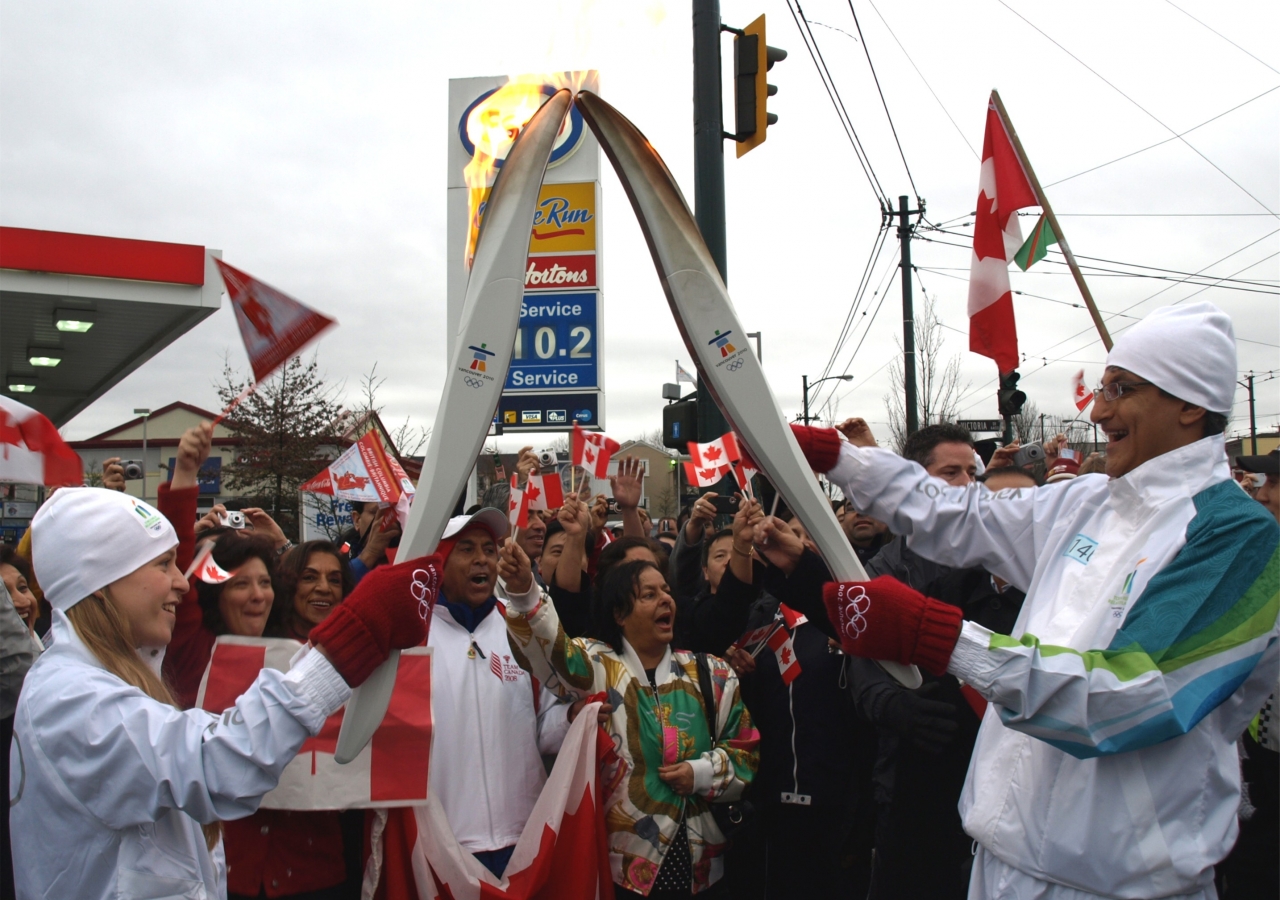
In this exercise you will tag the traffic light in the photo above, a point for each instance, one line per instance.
(680, 424)
(1010, 398)
(752, 59)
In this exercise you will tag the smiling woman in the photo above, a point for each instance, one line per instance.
(311, 580)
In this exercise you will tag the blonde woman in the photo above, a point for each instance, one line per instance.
(110, 783)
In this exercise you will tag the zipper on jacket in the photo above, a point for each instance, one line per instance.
(475, 683)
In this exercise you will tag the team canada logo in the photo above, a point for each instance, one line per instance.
(349, 481)
(853, 603)
(503, 666)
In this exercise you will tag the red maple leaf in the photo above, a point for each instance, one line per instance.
(713, 454)
(532, 493)
(511, 505)
(590, 457)
(786, 656)
(707, 474)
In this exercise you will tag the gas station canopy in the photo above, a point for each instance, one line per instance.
(80, 312)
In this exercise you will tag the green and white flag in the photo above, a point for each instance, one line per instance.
(1036, 247)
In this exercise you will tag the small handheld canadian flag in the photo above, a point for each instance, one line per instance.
(719, 452)
(592, 450)
(518, 506)
(704, 477)
(205, 568)
(545, 491)
(785, 651)
(1081, 395)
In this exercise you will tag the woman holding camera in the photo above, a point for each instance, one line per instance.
(115, 792)
(663, 838)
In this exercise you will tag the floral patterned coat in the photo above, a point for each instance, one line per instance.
(642, 813)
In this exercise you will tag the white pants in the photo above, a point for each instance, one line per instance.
(993, 879)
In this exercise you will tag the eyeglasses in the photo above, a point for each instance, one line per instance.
(1116, 389)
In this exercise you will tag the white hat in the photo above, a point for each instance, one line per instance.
(490, 518)
(84, 538)
(1187, 351)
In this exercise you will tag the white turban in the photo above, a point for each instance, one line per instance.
(1188, 351)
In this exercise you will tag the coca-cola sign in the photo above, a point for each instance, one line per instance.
(545, 273)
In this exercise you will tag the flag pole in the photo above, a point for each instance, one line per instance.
(1053, 221)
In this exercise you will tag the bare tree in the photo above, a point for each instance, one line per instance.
(409, 439)
(938, 387)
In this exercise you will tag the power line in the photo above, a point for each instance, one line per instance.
(882, 292)
(1165, 141)
(824, 74)
(1223, 36)
(883, 102)
(1163, 215)
(941, 105)
(1150, 114)
(872, 259)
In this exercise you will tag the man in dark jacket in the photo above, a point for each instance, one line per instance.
(926, 737)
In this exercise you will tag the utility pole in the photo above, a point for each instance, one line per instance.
(805, 380)
(908, 314)
(708, 170)
(1253, 421)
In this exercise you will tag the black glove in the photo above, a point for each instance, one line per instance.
(928, 724)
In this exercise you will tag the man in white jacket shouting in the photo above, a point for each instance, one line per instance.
(492, 720)
(1106, 764)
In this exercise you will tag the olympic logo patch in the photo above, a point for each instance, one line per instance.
(853, 604)
(735, 365)
(472, 382)
(425, 588)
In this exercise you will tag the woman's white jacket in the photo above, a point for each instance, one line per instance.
(108, 786)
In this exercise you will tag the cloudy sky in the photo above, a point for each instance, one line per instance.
(307, 141)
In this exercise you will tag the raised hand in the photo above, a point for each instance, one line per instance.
(263, 524)
(193, 450)
(628, 484)
(745, 520)
(574, 516)
(1003, 457)
(599, 511)
(702, 515)
(857, 432)
(514, 568)
(777, 543)
(113, 474)
(527, 463)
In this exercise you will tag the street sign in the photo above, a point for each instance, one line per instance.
(556, 343)
(549, 411)
(982, 425)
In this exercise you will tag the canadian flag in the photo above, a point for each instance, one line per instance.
(206, 568)
(785, 651)
(273, 325)
(791, 617)
(365, 471)
(32, 451)
(592, 450)
(545, 491)
(562, 854)
(518, 506)
(721, 451)
(756, 635)
(391, 771)
(707, 476)
(1003, 189)
(1080, 394)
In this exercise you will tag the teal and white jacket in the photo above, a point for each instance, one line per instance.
(1147, 642)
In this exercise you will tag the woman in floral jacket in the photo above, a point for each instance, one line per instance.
(663, 839)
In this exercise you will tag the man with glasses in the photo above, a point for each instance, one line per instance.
(1106, 764)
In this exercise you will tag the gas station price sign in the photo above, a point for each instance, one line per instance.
(556, 343)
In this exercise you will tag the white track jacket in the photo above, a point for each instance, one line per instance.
(1148, 640)
(108, 786)
(486, 767)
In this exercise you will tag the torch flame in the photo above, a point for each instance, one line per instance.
(493, 126)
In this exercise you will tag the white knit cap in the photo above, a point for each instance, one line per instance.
(1188, 351)
(84, 538)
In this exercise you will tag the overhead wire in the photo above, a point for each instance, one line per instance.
(867, 51)
(881, 290)
(941, 105)
(872, 259)
(1147, 112)
(1165, 141)
(1223, 36)
(824, 74)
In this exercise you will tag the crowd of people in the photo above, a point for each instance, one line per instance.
(1098, 655)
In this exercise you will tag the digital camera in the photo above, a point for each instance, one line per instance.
(547, 459)
(233, 519)
(132, 469)
(1028, 454)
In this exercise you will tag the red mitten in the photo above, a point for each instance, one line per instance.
(885, 619)
(389, 609)
(820, 446)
